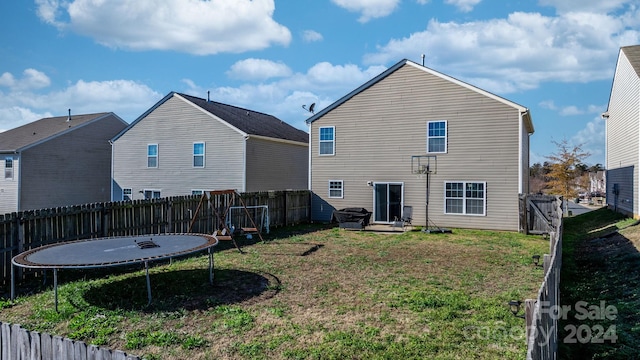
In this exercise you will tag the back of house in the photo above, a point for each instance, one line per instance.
(58, 161)
(185, 145)
(365, 147)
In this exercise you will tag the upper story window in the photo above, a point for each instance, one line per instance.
(8, 168)
(327, 140)
(466, 198)
(437, 136)
(198, 155)
(152, 155)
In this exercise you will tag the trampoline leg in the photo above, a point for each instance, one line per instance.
(13, 285)
(146, 267)
(55, 287)
(210, 266)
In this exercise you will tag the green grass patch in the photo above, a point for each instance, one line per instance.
(357, 295)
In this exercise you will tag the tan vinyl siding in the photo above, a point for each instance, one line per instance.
(70, 169)
(9, 187)
(276, 165)
(622, 130)
(175, 125)
(378, 130)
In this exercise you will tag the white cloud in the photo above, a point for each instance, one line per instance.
(519, 52)
(595, 6)
(32, 79)
(591, 139)
(128, 99)
(191, 26)
(463, 5)
(368, 9)
(258, 69)
(311, 36)
(322, 84)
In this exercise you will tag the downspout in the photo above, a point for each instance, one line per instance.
(244, 163)
(112, 174)
(309, 169)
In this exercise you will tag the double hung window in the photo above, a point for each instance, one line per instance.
(152, 155)
(437, 136)
(466, 198)
(327, 140)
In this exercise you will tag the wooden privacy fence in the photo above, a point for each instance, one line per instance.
(541, 313)
(17, 343)
(30, 229)
(538, 213)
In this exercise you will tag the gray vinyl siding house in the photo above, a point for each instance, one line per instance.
(363, 157)
(198, 145)
(57, 161)
(622, 134)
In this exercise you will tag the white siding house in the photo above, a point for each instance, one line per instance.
(57, 161)
(184, 145)
(361, 150)
(622, 134)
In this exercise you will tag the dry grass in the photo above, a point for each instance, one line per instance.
(310, 293)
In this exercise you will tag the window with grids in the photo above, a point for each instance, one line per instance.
(336, 189)
(437, 136)
(8, 168)
(152, 155)
(198, 155)
(466, 198)
(327, 140)
(126, 194)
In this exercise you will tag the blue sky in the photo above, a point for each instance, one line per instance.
(555, 57)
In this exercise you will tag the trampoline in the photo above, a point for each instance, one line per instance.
(112, 251)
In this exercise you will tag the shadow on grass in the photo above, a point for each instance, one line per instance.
(601, 288)
(183, 290)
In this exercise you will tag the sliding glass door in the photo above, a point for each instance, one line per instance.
(387, 202)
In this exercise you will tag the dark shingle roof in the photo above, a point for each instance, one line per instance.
(633, 55)
(251, 122)
(40, 130)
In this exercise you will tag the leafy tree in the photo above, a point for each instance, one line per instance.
(566, 166)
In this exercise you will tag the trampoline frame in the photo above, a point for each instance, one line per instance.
(21, 260)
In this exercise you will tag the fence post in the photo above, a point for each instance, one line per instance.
(529, 305)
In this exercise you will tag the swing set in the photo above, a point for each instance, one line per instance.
(223, 229)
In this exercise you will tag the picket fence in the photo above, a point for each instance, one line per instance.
(17, 343)
(31, 229)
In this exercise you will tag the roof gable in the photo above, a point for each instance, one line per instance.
(632, 53)
(44, 129)
(406, 62)
(246, 121)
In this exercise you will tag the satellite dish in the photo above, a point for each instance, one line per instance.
(311, 107)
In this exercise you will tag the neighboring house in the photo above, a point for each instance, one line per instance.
(597, 182)
(57, 161)
(184, 145)
(362, 145)
(622, 120)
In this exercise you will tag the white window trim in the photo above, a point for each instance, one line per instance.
(333, 149)
(130, 193)
(464, 198)
(446, 137)
(157, 156)
(144, 191)
(204, 152)
(341, 189)
(13, 162)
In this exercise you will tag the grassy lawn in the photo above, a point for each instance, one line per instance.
(600, 268)
(308, 293)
